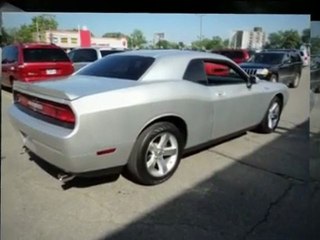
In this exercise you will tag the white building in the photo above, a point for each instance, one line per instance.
(254, 39)
(72, 39)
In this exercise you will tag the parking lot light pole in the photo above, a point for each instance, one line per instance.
(201, 16)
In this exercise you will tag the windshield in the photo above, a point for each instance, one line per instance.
(267, 58)
(45, 55)
(115, 66)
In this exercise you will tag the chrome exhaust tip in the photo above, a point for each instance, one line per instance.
(65, 177)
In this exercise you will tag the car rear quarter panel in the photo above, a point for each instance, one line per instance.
(115, 119)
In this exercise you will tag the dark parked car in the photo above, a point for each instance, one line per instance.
(83, 56)
(315, 74)
(31, 62)
(276, 66)
(237, 55)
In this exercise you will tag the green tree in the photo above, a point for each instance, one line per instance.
(136, 39)
(24, 34)
(275, 40)
(181, 45)
(305, 37)
(7, 37)
(315, 45)
(226, 43)
(208, 44)
(291, 39)
(284, 39)
(42, 23)
(114, 35)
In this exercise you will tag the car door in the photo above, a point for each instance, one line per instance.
(286, 69)
(236, 106)
(296, 64)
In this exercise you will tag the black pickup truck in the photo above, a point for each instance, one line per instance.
(276, 65)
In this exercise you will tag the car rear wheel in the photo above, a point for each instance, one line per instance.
(296, 81)
(274, 78)
(156, 154)
(272, 117)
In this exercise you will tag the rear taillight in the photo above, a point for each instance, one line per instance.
(54, 110)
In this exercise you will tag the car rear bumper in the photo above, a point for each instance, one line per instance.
(60, 146)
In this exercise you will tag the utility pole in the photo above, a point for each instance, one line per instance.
(38, 34)
(201, 16)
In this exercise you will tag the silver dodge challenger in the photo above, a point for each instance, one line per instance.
(141, 110)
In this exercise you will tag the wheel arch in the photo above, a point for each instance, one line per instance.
(281, 98)
(174, 119)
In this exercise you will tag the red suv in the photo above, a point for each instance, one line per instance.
(33, 62)
(237, 55)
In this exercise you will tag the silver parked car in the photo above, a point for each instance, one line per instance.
(142, 110)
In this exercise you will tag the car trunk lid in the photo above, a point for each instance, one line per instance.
(73, 87)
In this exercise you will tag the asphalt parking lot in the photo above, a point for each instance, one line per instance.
(255, 186)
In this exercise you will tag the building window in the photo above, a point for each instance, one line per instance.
(74, 40)
(64, 40)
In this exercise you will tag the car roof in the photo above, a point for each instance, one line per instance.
(101, 48)
(171, 53)
(37, 45)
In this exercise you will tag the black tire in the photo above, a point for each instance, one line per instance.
(274, 78)
(137, 165)
(264, 127)
(296, 81)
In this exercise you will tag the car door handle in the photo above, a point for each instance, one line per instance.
(220, 94)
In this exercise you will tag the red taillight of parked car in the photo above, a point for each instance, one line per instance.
(54, 110)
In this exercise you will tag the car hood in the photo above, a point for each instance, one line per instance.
(74, 87)
(255, 65)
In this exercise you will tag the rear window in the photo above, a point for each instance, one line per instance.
(267, 58)
(107, 52)
(232, 54)
(115, 66)
(45, 55)
(83, 55)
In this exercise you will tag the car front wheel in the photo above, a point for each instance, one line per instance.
(296, 81)
(156, 154)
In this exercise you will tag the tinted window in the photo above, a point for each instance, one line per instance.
(9, 54)
(115, 66)
(45, 55)
(232, 54)
(221, 73)
(295, 57)
(267, 58)
(107, 52)
(83, 55)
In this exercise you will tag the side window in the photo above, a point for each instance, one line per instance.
(222, 73)
(195, 72)
(295, 58)
(286, 58)
(84, 55)
(10, 54)
(4, 57)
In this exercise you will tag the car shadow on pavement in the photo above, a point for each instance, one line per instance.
(78, 182)
(244, 200)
